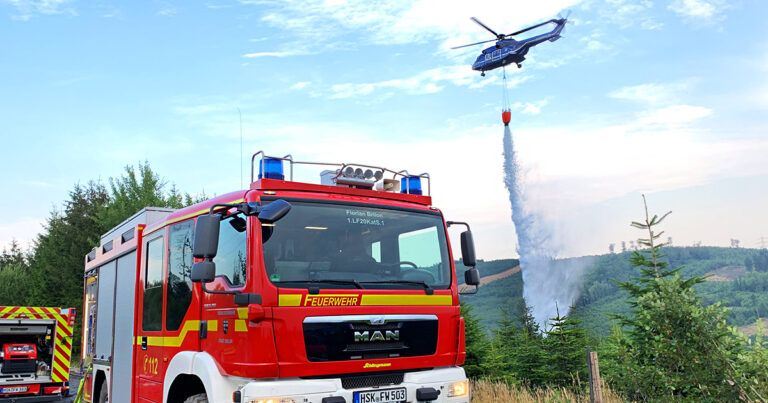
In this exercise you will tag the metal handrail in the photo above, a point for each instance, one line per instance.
(340, 166)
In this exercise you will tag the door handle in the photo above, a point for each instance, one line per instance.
(143, 342)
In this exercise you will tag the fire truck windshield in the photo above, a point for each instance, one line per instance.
(339, 246)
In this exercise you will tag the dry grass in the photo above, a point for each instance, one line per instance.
(496, 392)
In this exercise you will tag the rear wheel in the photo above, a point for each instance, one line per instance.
(198, 398)
(103, 398)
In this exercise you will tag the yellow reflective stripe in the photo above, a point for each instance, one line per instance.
(242, 313)
(190, 326)
(58, 368)
(406, 299)
(377, 299)
(289, 300)
(240, 326)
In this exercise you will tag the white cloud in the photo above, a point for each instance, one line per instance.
(673, 116)
(281, 53)
(653, 93)
(426, 82)
(24, 230)
(300, 85)
(167, 10)
(698, 9)
(27, 9)
(627, 13)
(530, 108)
(404, 21)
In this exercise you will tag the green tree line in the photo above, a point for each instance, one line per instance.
(51, 272)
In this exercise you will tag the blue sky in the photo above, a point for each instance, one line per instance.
(663, 97)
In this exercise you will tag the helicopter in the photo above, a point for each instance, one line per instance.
(507, 50)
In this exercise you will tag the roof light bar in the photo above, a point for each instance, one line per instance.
(344, 174)
(271, 168)
(410, 184)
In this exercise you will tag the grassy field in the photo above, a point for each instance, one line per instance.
(495, 392)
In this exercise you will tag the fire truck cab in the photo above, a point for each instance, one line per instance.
(290, 292)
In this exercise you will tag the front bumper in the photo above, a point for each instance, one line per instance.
(315, 390)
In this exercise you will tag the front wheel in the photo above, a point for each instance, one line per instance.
(198, 398)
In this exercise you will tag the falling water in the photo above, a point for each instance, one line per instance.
(547, 283)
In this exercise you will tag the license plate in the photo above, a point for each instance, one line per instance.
(381, 396)
(14, 389)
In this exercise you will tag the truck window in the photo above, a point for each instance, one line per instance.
(381, 248)
(153, 286)
(179, 268)
(230, 259)
(422, 248)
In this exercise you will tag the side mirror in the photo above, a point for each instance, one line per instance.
(207, 236)
(203, 272)
(467, 249)
(472, 277)
(274, 211)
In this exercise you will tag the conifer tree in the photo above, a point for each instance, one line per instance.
(674, 347)
(477, 344)
(518, 350)
(565, 347)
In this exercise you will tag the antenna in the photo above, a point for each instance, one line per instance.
(240, 114)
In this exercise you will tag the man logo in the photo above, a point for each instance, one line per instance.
(377, 335)
(377, 320)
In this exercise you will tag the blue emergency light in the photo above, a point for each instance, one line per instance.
(271, 168)
(410, 184)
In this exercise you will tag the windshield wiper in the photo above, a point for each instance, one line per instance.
(315, 290)
(427, 289)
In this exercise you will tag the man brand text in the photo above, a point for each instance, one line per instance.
(377, 335)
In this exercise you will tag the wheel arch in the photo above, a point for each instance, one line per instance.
(191, 366)
(184, 386)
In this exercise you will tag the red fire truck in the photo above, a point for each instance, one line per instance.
(287, 292)
(35, 348)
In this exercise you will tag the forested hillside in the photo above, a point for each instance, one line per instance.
(737, 278)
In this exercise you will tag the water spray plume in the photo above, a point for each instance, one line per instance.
(547, 283)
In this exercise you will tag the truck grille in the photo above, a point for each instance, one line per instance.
(372, 381)
(358, 337)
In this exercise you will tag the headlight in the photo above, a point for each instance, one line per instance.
(274, 400)
(458, 389)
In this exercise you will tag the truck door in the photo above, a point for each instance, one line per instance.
(149, 358)
(181, 323)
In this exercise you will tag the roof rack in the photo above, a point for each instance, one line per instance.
(339, 168)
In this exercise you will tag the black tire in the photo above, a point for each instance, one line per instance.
(103, 397)
(198, 398)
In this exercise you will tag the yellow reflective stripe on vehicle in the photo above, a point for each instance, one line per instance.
(374, 299)
(62, 348)
(242, 313)
(190, 326)
(240, 326)
(406, 299)
(290, 300)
